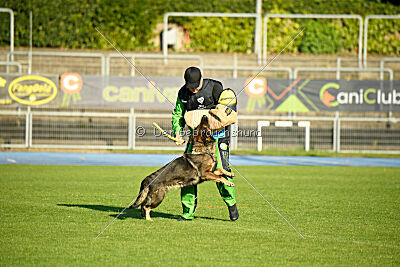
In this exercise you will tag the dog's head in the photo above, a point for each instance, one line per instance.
(202, 137)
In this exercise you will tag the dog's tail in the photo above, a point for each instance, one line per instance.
(144, 191)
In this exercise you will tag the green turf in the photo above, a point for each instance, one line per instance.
(50, 215)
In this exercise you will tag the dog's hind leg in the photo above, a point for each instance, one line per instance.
(144, 191)
(147, 210)
(142, 212)
(157, 197)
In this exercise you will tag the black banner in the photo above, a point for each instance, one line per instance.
(254, 94)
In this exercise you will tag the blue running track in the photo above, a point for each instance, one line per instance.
(111, 159)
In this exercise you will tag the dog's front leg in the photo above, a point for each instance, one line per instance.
(222, 171)
(213, 177)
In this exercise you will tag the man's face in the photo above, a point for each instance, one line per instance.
(195, 90)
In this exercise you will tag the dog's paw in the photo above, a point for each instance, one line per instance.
(230, 184)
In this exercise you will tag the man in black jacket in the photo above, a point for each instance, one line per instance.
(196, 94)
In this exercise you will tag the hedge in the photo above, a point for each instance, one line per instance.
(131, 24)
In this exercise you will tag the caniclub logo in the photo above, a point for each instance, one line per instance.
(256, 87)
(71, 84)
(326, 97)
(357, 96)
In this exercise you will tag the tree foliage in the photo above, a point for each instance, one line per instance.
(131, 24)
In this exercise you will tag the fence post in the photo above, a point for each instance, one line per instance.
(338, 66)
(306, 125)
(234, 135)
(27, 114)
(260, 124)
(336, 133)
(235, 65)
(131, 129)
(29, 126)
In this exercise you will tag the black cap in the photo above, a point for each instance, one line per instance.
(192, 77)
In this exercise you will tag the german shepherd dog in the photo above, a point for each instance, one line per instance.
(189, 169)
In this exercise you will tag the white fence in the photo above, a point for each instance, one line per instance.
(131, 130)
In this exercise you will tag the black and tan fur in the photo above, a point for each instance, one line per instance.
(189, 169)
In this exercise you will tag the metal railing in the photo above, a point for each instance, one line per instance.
(261, 52)
(312, 16)
(382, 64)
(11, 12)
(305, 124)
(7, 63)
(208, 14)
(339, 70)
(61, 54)
(339, 134)
(131, 130)
(366, 31)
(236, 68)
(133, 57)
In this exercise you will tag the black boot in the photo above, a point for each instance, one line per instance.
(233, 212)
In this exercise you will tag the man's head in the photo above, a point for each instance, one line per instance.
(193, 79)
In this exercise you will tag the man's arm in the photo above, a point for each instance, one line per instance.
(228, 99)
(178, 121)
(225, 111)
(217, 90)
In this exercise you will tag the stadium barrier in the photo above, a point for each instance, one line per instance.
(133, 58)
(127, 129)
(367, 18)
(97, 63)
(61, 60)
(16, 64)
(11, 12)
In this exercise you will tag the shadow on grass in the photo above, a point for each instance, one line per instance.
(130, 213)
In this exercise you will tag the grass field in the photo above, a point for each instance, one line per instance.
(50, 215)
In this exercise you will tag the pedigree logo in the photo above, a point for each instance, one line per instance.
(32, 90)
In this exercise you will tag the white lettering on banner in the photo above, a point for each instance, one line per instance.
(367, 96)
(378, 96)
(138, 94)
(71, 83)
(396, 97)
(388, 100)
(353, 95)
(342, 98)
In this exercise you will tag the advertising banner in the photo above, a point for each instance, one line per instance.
(253, 93)
(28, 90)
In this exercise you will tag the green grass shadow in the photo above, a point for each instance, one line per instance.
(131, 213)
(128, 213)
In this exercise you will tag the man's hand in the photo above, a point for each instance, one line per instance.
(181, 141)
